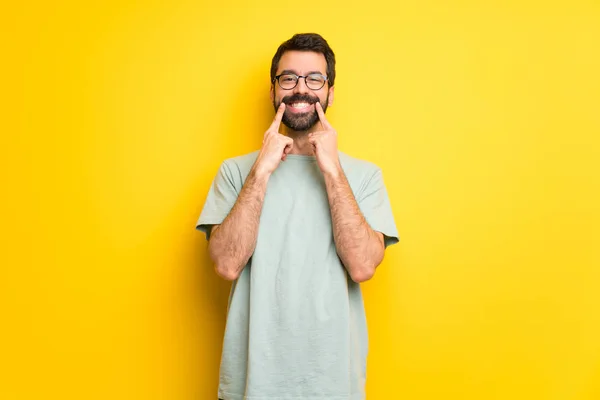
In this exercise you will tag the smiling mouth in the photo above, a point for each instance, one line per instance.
(300, 106)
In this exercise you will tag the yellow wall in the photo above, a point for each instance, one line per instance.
(484, 118)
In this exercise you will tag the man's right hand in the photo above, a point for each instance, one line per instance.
(275, 146)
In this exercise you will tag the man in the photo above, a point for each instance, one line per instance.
(297, 226)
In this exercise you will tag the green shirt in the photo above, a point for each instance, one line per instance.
(296, 326)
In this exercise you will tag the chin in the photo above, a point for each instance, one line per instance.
(300, 124)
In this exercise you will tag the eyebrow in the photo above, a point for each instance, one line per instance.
(291, 71)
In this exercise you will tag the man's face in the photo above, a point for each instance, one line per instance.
(300, 112)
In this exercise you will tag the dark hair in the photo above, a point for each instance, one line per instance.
(306, 42)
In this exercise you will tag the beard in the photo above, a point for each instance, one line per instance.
(300, 121)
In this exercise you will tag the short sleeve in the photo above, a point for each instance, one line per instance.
(221, 198)
(374, 203)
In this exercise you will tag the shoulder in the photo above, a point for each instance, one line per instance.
(237, 168)
(244, 161)
(357, 167)
(362, 175)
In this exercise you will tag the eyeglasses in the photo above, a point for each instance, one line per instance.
(290, 81)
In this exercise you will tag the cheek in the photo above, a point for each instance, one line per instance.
(323, 96)
(277, 96)
(323, 99)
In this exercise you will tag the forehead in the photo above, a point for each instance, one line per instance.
(302, 62)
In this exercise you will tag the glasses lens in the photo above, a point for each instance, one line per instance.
(288, 81)
(315, 81)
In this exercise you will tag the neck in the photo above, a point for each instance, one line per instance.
(301, 144)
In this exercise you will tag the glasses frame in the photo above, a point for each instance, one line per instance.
(298, 80)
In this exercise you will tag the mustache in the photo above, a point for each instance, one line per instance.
(300, 98)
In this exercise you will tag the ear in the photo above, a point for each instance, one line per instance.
(272, 93)
(330, 102)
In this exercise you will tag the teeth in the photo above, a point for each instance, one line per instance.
(300, 105)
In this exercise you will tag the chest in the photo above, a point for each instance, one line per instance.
(296, 199)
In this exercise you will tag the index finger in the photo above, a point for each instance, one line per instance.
(278, 116)
(322, 117)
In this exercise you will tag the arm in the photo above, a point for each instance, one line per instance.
(360, 248)
(232, 242)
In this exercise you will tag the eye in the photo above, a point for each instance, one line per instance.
(287, 78)
(315, 78)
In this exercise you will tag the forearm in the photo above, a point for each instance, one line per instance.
(359, 247)
(232, 243)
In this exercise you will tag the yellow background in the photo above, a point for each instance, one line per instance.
(484, 117)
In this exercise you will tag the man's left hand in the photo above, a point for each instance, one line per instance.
(324, 144)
